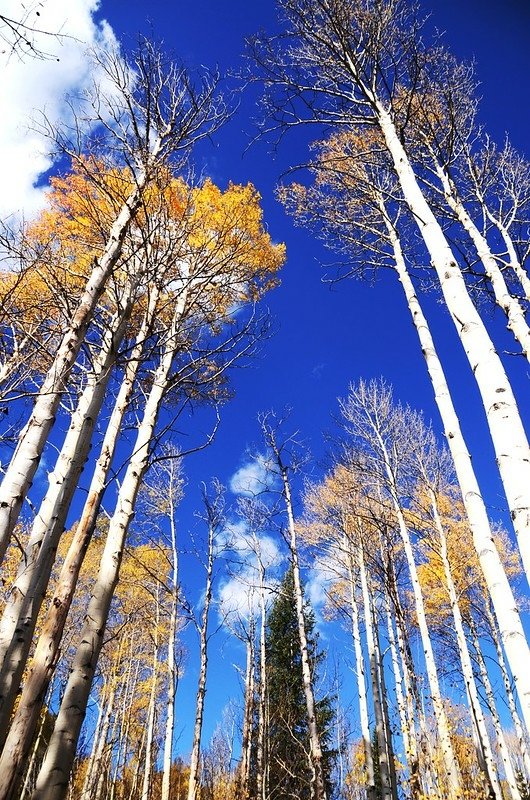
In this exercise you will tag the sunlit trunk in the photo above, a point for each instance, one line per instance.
(20, 614)
(512, 633)
(193, 784)
(53, 776)
(360, 672)
(507, 431)
(318, 788)
(32, 440)
(47, 649)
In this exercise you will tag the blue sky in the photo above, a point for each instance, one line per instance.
(324, 336)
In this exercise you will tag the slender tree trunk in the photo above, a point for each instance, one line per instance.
(384, 706)
(465, 659)
(46, 653)
(511, 779)
(243, 778)
(318, 787)
(261, 781)
(172, 669)
(193, 782)
(53, 777)
(517, 725)
(151, 713)
(96, 770)
(30, 767)
(510, 305)
(384, 767)
(448, 756)
(507, 431)
(408, 731)
(512, 632)
(20, 614)
(361, 677)
(26, 458)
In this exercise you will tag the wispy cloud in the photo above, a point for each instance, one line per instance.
(253, 478)
(31, 86)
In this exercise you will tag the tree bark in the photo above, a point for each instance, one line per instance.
(33, 437)
(318, 788)
(20, 614)
(512, 632)
(193, 781)
(507, 431)
(53, 777)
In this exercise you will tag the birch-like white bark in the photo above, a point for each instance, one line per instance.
(172, 668)
(33, 437)
(504, 752)
(151, 712)
(193, 780)
(44, 659)
(384, 704)
(360, 674)
(409, 743)
(53, 777)
(517, 724)
(448, 756)
(95, 766)
(20, 614)
(509, 304)
(261, 783)
(244, 769)
(512, 632)
(384, 768)
(507, 431)
(318, 788)
(465, 658)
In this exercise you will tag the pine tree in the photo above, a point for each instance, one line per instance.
(288, 769)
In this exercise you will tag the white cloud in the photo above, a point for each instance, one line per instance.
(31, 85)
(239, 597)
(253, 478)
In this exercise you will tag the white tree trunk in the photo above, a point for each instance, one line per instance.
(512, 632)
(449, 760)
(384, 767)
(20, 614)
(193, 781)
(172, 668)
(33, 437)
(465, 659)
(243, 778)
(318, 788)
(45, 657)
(53, 777)
(261, 782)
(360, 673)
(517, 725)
(504, 753)
(507, 431)
(151, 713)
(509, 304)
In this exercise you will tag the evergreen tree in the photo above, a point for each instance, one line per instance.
(288, 767)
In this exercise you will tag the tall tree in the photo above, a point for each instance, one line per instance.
(289, 772)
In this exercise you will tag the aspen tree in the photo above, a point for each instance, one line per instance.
(369, 417)
(352, 200)
(214, 520)
(358, 62)
(280, 467)
(155, 119)
(429, 466)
